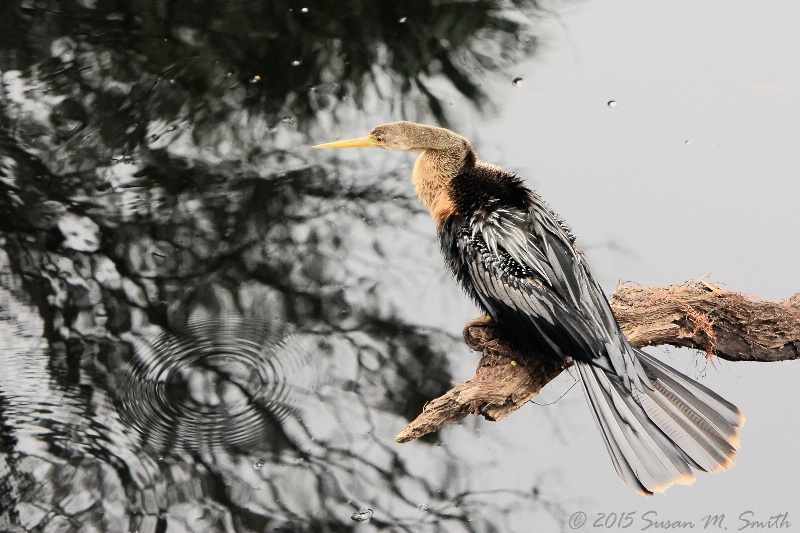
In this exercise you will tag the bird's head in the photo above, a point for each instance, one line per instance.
(401, 136)
(444, 156)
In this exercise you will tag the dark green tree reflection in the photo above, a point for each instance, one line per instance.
(187, 340)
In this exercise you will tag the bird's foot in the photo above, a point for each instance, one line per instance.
(478, 332)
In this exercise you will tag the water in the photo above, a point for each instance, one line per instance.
(198, 326)
(364, 515)
(207, 326)
(223, 383)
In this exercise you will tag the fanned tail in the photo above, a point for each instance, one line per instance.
(655, 436)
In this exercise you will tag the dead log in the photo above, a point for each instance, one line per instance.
(698, 315)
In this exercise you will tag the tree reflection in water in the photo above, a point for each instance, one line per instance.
(163, 230)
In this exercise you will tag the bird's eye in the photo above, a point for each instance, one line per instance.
(379, 138)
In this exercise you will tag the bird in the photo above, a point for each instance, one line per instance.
(519, 262)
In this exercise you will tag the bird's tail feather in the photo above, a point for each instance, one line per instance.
(655, 436)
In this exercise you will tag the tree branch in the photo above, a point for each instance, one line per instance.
(695, 315)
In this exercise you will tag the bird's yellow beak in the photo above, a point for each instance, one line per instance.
(362, 142)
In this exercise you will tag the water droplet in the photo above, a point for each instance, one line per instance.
(304, 10)
(258, 465)
(287, 120)
(296, 63)
(403, 20)
(687, 142)
(423, 507)
(517, 81)
(612, 103)
(364, 515)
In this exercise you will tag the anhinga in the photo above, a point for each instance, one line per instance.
(518, 261)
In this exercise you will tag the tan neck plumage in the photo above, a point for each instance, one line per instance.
(432, 174)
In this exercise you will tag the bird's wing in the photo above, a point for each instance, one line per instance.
(526, 272)
(657, 424)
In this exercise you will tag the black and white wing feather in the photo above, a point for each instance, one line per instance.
(519, 263)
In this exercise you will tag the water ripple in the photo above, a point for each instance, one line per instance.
(217, 383)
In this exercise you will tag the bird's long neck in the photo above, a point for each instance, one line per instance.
(436, 167)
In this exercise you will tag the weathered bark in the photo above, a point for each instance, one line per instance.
(699, 315)
(696, 315)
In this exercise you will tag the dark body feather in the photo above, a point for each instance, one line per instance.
(518, 261)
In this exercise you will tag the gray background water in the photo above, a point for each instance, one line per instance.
(161, 204)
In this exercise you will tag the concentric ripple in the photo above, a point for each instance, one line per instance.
(218, 383)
